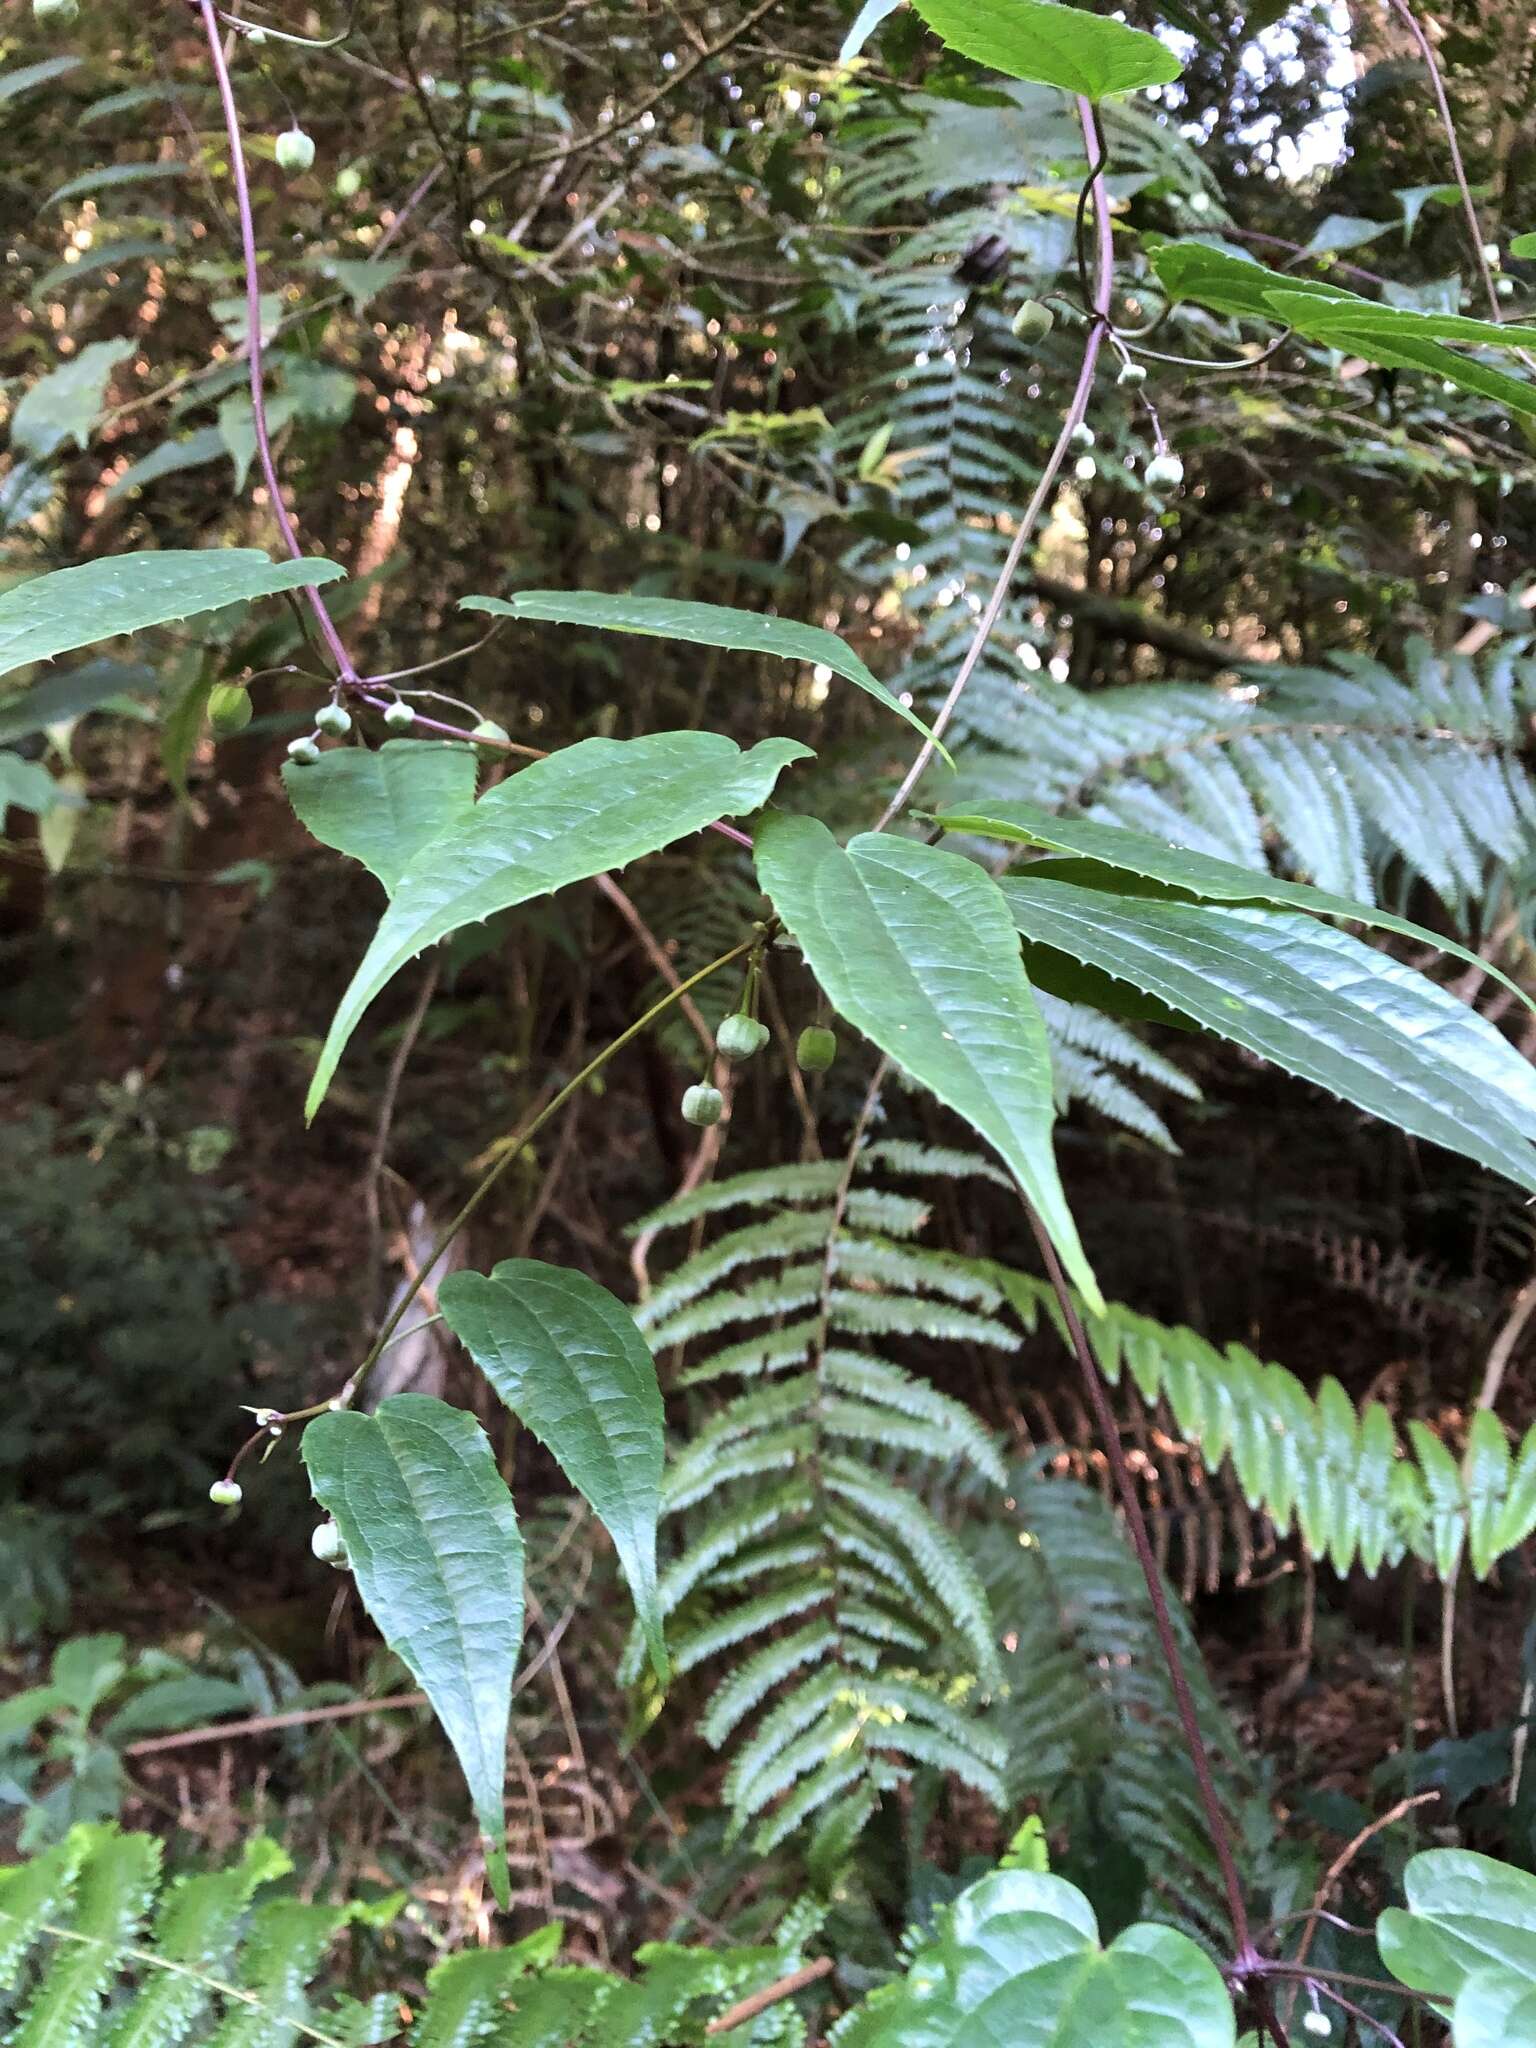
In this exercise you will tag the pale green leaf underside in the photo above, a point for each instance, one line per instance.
(914, 947)
(382, 808)
(1315, 1001)
(1017, 1964)
(125, 593)
(1469, 1934)
(594, 806)
(433, 1542)
(1049, 44)
(705, 625)
(569, 1361)
(1180, 867)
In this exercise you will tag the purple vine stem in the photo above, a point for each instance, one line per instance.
(285, 526)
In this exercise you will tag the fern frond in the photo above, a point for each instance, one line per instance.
(796, 1491)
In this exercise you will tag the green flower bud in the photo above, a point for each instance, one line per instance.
(56, 13)
(703, 1104)
(1085, 469)
(1317, 2024)
(349, 182)
(399, 715)
(295, 150)
(327, 1545)
(229, 708)
(739, 1037)
(1132, 373)
(303, 751)
(493, 737)
(1164, 473)
(333, 718)
(1033, 322)
(1082, 435)
(226, 1493)
(816, 1049)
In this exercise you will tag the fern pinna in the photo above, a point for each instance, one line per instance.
(96, 1953)
(851, 1636)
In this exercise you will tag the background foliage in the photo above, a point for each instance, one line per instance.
(671, 303)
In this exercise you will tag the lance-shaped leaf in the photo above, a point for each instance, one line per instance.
(1312, 999)
(1199, 874)
(432, 1539)
(569, 1361)
(914, 947)
(383, 807)
(594, 806)
(1048, 44)
(706, 625)
(124, 593)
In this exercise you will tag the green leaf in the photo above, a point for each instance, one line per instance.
(1017, 1961)
(27, 785)
(383, 808)
(705, 625)
(65, 697)
(63, 405)
(597, 805)
(110, 177)
(68, 608)
(107, 255)
(1312, 999)
(208, 444)
(1469, 1934)
(237, 427)
(1180, 867)
(568, 1360)
(1049, 44)
(1523, 246)
(914, 947)
(360, 280)
(1225, 279)
(29, 76)
(1345, 231)
(432, 1538)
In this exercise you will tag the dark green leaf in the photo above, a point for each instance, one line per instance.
(63, 405)
(68, 608)
(1315, 1001)
(108, 255)
(111, 177)
(27, 785)
(383, 808)
(62, 698)
(597, 805)
(1180, 867)
(28, 76)
(208, 444)
(569, 1361)
(432, 1539)
(1048, 44)
(914, 947)
(706, 625)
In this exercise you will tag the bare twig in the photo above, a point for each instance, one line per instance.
(771, 1994)
(285, 526)
(1098, 328)
(265, 1724)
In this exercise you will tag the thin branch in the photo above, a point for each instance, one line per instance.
(771, 1994)
(1426, 50)
(285, 527)
(1343, 1860)
(265, 1724)
(1098, 328)
(1189, 1719)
